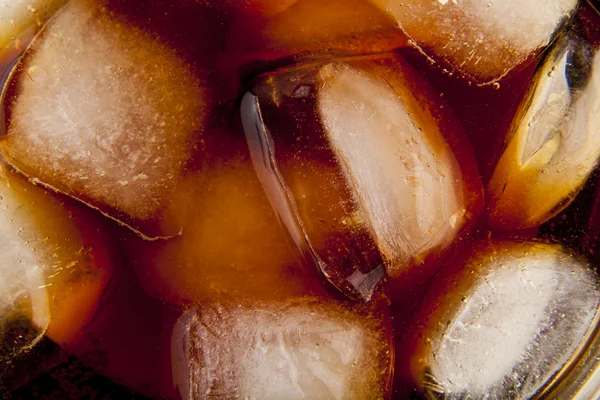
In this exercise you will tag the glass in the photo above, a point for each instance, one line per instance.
(299, 199)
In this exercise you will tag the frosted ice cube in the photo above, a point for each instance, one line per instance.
(406, 177)
(553, 145)
(355, 160)
(304, 349)
(482, 39)
(502, 320)
(104, 112)
(53, 270)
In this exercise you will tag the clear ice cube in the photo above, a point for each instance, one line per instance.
(553, 145)
(301, 349)
(481, 39)
(502, 320)
(92, 113)
(354, 159)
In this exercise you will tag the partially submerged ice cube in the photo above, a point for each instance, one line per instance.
(300, 349)
(55, 263)
(501, 321)
(128, 341)
(553, 145)
(91, 112)
(480, 39)
(362, 166)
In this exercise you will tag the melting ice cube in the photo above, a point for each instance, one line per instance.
(501, 321)
(92, 113)
(303, 349)
(358, 168)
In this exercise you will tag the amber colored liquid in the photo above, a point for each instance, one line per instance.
(129, 338)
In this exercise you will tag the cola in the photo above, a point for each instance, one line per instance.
(298, 199)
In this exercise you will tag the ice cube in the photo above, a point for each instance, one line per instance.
(92, 113)
(54, 269)
(313, 27)
(231, 244)
(501, 320)
(301, 349)
(481, 39)
(353, 157)
(553, 145)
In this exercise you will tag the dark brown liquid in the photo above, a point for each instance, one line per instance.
(128, 340)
